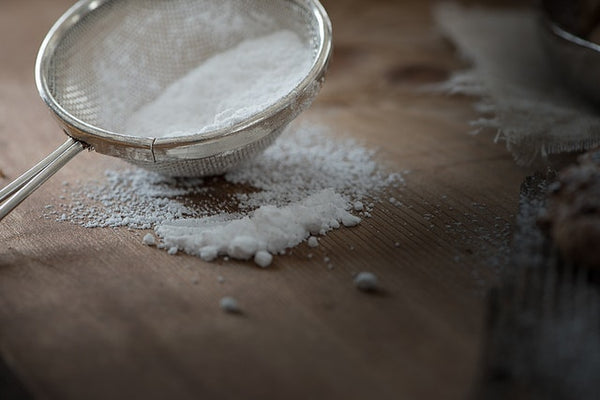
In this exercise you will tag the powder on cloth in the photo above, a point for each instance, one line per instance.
(521, 95)
(225, 89)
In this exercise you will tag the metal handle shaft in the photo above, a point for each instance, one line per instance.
(23, 186)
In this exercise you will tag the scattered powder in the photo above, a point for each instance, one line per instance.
(394, 201)
(230, 305)
(313, 241)
(307, 159)
(220, 279)
(306, 183)
(227, 88)
(366, 281)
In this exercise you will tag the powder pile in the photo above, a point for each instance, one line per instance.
(227, 88)
(306, 183)
(269, 228)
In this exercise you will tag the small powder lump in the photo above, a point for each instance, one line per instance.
(263, 258)
(230, 305)
(366, 281)
(149, 239)
(227, 88)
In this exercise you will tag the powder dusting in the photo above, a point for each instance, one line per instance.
(307, 183)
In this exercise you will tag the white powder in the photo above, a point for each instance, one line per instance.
(263, 258)
(227, 88)
(149, 239)
(307, 159)
(269, 228)
(306, 183)
(230, 305)
(366, 281)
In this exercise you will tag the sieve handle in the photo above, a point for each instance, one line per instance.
(18, 190)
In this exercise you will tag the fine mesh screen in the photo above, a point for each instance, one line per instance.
(121, 55)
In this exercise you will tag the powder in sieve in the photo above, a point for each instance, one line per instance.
(227, 88)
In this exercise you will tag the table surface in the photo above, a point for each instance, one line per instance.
(92, 313)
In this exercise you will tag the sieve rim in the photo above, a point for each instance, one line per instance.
(125, 146)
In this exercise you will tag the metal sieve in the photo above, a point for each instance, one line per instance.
(103, 59)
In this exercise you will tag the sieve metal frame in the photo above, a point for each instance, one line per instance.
(147, 151)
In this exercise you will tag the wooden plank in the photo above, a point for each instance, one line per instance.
(90, 313)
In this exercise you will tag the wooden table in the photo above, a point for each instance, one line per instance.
(93, 314)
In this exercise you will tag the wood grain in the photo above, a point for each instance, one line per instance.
(91, 313)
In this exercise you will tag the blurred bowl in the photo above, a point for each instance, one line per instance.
(566, 27)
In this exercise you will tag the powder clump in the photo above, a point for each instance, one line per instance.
(263, 258)
(366, 281)
(230, 305)
(149, 239)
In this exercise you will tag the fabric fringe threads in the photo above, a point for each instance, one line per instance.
(521, 94)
